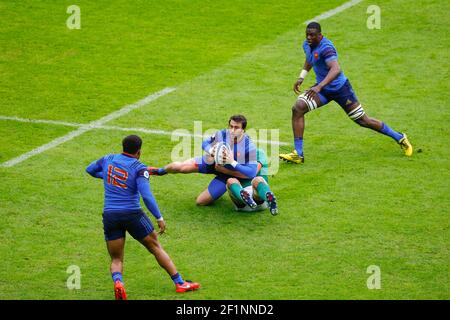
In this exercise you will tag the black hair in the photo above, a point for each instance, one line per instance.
(131, 144)
(239, 118)
(314, 25)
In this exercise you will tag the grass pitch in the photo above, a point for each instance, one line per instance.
(357, 201)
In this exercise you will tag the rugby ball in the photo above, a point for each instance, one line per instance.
(221, 148)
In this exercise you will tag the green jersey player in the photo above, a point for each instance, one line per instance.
(253, 194)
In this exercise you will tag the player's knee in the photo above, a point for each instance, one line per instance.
(230, 181)
(202, 201)
(154, 245)
(256, 181)
(303, 105)
(151, 242)
(299, 109)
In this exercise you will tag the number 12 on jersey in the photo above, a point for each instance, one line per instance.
(117, 177)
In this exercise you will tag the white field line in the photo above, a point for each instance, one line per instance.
(87, 127)
(140, 103)
(334, 11)
(61, 123)
(143, 130)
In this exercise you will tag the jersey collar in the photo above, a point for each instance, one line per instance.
(128, 155)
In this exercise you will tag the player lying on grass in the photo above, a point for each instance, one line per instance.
(242, 160)
(124, 178)
(331, 85)
(253, 194)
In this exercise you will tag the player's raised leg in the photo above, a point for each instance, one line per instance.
(188, 166)
(116, 251)
(153, 246)
(302, 106)
(357, 114)
(262, 192)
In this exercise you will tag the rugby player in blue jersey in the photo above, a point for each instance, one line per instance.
(125, 179)
(331, 85)
(242, 160)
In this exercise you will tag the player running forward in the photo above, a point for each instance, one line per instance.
(124, 179)
(331, 85)
(253, 194)
(241, 161)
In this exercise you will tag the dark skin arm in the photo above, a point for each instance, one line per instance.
(299, 81)
(334, 71)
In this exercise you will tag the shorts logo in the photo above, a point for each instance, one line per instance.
(348, 102)
(146, 175)
(316, 55)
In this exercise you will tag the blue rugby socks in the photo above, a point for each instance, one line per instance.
(298, 142)
(177, 279)
(391, 133)
(117, 276)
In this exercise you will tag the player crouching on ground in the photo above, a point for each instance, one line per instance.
(241, 161)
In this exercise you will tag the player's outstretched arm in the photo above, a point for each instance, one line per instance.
(95, 169)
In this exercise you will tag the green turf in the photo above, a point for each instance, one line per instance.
(357, 201)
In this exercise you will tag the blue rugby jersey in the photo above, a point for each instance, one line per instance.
(124, 178)
(244, 152)
(318, 58)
